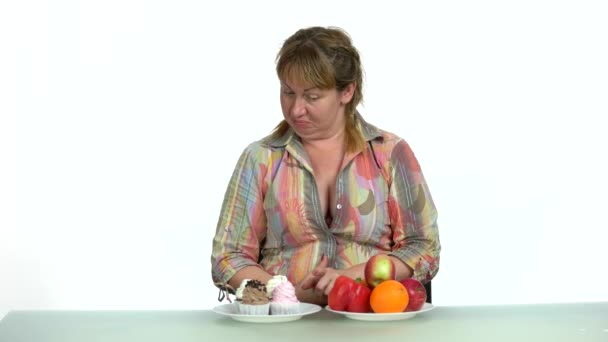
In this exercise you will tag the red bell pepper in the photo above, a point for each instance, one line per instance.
(349, 295)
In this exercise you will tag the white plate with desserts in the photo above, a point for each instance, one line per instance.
(383, 316)
(230, 310)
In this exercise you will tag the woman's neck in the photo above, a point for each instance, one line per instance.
(335, 141)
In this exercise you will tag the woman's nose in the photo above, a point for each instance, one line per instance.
(299, 107)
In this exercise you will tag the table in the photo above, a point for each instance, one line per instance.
(515, 323)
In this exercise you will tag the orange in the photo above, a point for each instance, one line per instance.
(389, 296)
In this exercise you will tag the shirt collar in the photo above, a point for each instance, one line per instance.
(369, 131)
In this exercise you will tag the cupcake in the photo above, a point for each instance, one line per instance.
(239, 293)
(273, 282)
(254, 300)
(284, 300)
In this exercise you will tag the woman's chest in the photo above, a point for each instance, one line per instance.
(297, 200)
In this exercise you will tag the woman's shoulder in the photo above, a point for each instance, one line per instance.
(377, 135)
(261, 150)
(391, 147)
(384, 138)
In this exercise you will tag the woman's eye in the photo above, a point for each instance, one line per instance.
(288, 93)
(313, 97)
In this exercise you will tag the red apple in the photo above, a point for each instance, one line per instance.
(417, 294)
(379, 268)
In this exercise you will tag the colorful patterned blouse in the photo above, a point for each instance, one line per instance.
(271, 215)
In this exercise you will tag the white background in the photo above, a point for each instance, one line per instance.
(121, 121)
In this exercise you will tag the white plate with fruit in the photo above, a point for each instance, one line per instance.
(379, 297)
(383, 316)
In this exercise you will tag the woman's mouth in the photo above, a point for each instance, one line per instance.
(301, 123)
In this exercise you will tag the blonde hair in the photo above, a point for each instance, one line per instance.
(327, 59)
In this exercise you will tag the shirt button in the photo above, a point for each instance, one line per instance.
(339, 206)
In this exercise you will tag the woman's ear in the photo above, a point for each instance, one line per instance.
(347, 94)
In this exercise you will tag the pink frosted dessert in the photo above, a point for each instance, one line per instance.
(284, 300)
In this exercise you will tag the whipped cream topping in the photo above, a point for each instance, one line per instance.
(239, 292)
(273, 282)
(284, 293)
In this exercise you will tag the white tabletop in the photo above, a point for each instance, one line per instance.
(547, 322)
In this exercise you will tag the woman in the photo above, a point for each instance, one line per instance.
(326, 190)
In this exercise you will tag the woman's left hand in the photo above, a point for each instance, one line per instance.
(326, 279)
(322, 278)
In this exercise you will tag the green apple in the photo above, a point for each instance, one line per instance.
(379, 268)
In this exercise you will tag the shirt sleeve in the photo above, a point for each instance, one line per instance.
(242, 222)
(413, 215)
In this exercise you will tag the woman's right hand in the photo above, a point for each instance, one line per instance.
(306, 289)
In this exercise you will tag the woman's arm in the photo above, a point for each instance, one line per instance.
(249, 272)
(242, 223)
(402, 270)
(323, 278)
(413, 216)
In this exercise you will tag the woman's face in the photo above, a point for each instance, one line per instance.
(314, 113)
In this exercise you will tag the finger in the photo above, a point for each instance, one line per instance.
(318, 273)
(322, 264)
(308, 282)
(322, 283)
(311, 280)
(326, 283)
(330, 286)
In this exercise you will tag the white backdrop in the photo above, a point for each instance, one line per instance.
(121, 121)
